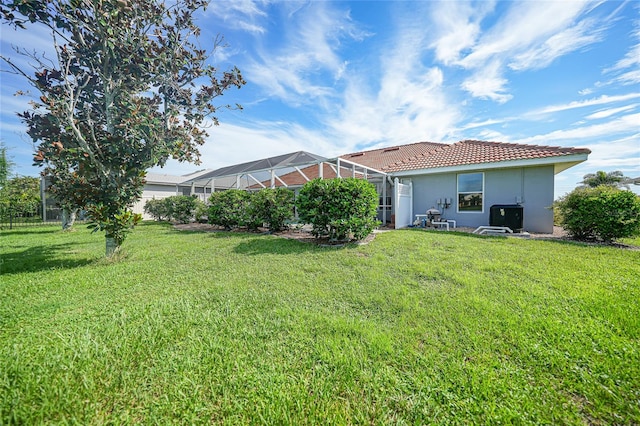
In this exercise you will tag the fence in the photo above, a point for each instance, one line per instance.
(12, 217)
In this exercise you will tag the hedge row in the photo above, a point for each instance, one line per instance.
(340, 209)
(269, 207)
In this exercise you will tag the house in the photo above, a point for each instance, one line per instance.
(462, 180)
(160, 186)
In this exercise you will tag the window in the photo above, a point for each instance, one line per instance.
(470, 192)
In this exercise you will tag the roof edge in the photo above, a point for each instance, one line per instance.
(568, 160)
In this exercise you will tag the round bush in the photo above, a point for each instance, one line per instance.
(272, 207)
(182, 208)
(604, 213)
(156, 208)
(341, 209)
(230, 209)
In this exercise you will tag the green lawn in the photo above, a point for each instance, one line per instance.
(416, 327)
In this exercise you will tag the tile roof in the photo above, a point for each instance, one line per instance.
(429, 155)
(425, 155)
(383, 157)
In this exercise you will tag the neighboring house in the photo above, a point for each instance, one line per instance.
(160, 186)
(462, 180)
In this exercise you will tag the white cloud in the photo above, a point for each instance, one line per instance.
(232, 144)
(630, 77)
(477, 124)
(530, 35)
(408, 104)
(311, 42)
(490, 135)
(456, 27)
(488, 83)
(627, 70)
(561, 43)
(525, 25)
(403, 110)
(609, 112)
(241, 14)
(631, 59)
(621, 125)
(604, 99)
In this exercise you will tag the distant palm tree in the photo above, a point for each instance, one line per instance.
(615, 179)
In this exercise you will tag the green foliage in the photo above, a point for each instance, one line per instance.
(156, 208)
(177, 208)
(5, 165)
(339, 208)
(237, 208)
(201, 212)
(182, 208)
(273, 207)
(20, 197)
(414, 328)
(614, 179)
(116, 226)
(603, 212)
(230, 209)
(140, 88)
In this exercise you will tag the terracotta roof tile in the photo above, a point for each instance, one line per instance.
(479, 152)
(383, 157)
(426, 155)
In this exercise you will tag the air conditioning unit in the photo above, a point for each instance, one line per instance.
(509, 215)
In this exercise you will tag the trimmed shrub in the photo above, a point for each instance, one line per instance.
(230, 209)
(181, 208)
(272, 207)
(157, 209)
(201, 213)
(177, 208)
(603, 212)
(341, 209)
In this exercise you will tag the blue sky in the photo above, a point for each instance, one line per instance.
(336, 77)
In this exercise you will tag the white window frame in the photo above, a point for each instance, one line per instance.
(458, 193)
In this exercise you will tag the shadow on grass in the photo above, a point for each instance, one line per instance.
(40, 258)
(560, 241)
(283, 246)
(28, 231)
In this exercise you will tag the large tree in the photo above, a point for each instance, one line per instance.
(129, 89)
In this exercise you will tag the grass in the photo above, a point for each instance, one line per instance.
(416, 327)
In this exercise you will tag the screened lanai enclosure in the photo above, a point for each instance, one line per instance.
(293, 170)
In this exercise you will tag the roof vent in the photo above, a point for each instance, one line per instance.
(357, 154)
(395, 148)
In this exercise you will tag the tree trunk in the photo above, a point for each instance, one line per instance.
(68, 218)
(111, 247)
